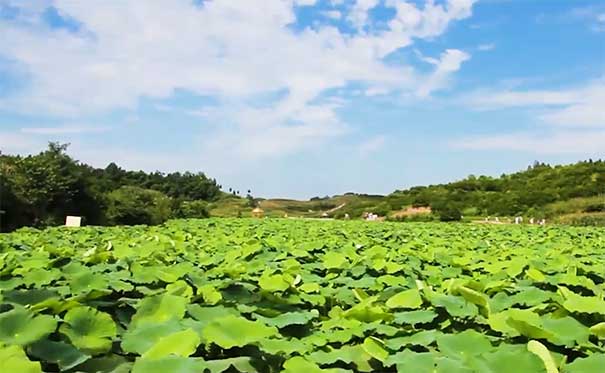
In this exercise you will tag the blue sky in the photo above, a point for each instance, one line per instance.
(300, 98)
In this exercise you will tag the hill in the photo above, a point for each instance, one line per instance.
(566, 193)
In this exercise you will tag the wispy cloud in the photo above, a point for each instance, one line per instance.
(372, 145)
(557, 142)
(486, 47)
(227, 50)
(64, 130)
(579, 106)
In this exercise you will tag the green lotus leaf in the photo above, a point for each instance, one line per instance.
(273, 283)
(347, 354)
(286, 346)
(527, 323)
(406, 299)
(206, 315)
(499, 323)
(13, 359)
(535, 275)
(414, 317)
(64, 355)
(410, 361)
(447, 364)
(333, 260)
(577, 303)
(172, 364)
(242, 364)
(591, 364)
(180, 288)
(183, 343)
(289, 318)
(566, 330)
(309, 287)
(40, 276)
(19, 327)
(475, 297)
(105, 364)
(598, 330)
(88, 329)
(235, 331)
(88, 281)
(299, 364)
(374, 347)
(509, 359)
(542, 352)
(531, 297)
(366, 311)
(455, 306)
(423, 338)
(142, 338)
(29, 297)
(210, 295)
(159, 309)
(467, 343)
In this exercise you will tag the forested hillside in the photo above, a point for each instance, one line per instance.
(42, 189)
(542, 191)
(523, 193)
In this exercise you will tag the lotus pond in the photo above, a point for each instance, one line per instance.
(241, 295)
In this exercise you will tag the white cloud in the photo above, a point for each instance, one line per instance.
(359, 13)
(128, 50)
(559, 142)
(372, 145)
(448, 63)
(62, 130)
(17, 143)
(333, 14)
(578, 107)
(486, 47)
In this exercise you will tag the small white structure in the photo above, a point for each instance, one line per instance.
(347, 217)
(73, 221)
(518, 220)
(531, 221)
(371, 217)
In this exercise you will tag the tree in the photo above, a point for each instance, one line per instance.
(43, 181)
(193, 210)
(133, 205)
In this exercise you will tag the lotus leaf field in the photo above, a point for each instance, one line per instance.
(279, 295)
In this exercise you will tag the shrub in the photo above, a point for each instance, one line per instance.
(449, 213)
(595, 207)
(193, 210)
(130, 205)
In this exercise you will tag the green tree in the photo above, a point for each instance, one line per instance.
(133, 205)
(193, 210)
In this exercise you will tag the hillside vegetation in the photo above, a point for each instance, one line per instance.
(541, 191)
(40, 190)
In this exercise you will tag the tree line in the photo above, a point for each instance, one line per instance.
(40, 190)
(526, 193)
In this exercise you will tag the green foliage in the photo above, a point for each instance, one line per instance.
(192, 210)
(447, 212)
(243, 295)
(133, 205)
(40, 190)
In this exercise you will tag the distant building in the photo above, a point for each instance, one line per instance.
(258, 212)
(73, 221)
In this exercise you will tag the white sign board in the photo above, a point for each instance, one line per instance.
(73, 221)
